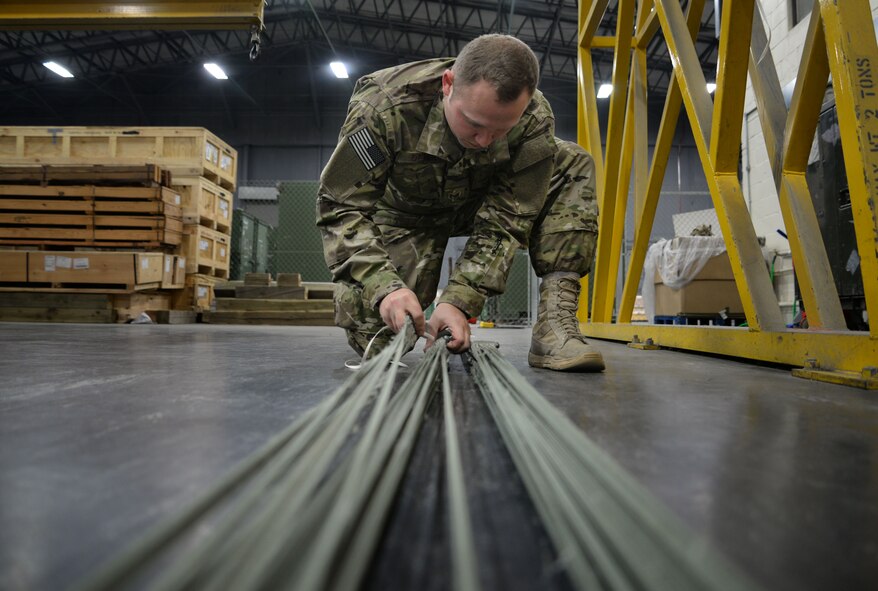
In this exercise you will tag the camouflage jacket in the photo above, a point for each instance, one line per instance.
(397, 163)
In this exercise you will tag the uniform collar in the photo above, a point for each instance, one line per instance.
(436, 139)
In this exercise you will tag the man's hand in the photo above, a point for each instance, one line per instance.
(448, 317)
(396, 305)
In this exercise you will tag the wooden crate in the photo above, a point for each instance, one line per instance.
(205, 203)
(13, 266)
(173, 272)
(97, 271)
(197, 295)
(207, 251)
(149, 267)
(90, 216)
(185, 151)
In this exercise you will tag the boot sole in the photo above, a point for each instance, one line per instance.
(585, 363)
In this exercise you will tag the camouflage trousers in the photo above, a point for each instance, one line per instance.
(564, 237)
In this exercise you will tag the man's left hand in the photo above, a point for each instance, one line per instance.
(451, 318)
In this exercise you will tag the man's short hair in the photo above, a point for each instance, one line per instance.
(505, 62)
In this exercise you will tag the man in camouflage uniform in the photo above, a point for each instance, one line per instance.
(443, 148)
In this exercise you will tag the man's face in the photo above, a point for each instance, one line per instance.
(476, 118)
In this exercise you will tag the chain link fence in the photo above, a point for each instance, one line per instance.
(274, 232)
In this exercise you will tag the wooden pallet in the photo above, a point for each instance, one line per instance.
(185, 151)
(55, 307)
(272, 311)
(147, 175)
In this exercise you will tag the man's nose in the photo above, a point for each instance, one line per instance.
(483, 140)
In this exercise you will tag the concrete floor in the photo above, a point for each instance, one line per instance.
(104, 430)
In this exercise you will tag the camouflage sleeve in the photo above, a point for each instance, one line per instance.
(504, 222)
(350, 185)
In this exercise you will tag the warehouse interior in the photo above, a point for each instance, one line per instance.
(183, 322)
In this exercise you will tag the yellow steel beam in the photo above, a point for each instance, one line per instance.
(591, 12)
(797, 207)
(788, 141)
(587, 124)
(647, 29)
(829, 350)
(603, 42)
(769, 96)
(641, 136)
(121, 14)
(623, 183)
(731, 84)
(751, 275)
(687, 69)
(853, 60)
(588, 134)
(604, 278)
(661, 153)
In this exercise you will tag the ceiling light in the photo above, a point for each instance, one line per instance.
(711, 86)
(605, 90)
(216, 71)
(339, 69)
(58, 69)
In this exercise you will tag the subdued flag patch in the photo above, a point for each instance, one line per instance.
(363, 144)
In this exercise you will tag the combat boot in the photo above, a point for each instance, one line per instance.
(556, 342)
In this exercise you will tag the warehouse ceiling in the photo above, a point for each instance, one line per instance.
(129, 70)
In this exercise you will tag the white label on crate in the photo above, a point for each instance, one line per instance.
(63, 262)
(177, 199)
(222, 252)
(202, 292)
(144, 263)
(211, 153)
(80, 263)
(181, 263)
(203, 245)
(226, 162)
(167, 264)
(49, 263)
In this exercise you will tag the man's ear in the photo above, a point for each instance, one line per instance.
(447, 83)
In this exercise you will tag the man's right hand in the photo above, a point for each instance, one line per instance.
(396, 305)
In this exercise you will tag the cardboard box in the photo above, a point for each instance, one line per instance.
(712, 290)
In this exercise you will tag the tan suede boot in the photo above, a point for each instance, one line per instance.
(556, 342)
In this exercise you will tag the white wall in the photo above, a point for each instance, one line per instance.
(786, 43)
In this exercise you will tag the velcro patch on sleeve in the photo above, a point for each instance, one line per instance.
(367, 151)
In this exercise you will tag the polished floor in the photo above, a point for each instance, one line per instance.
(105, 430)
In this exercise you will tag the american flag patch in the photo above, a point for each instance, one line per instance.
(363, 144)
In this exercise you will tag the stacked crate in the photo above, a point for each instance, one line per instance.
(202, 172)
(71, 229)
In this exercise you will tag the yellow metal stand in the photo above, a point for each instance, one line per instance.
(840, 41)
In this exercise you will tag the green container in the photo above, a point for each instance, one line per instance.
(243, 239)
(260, 246)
